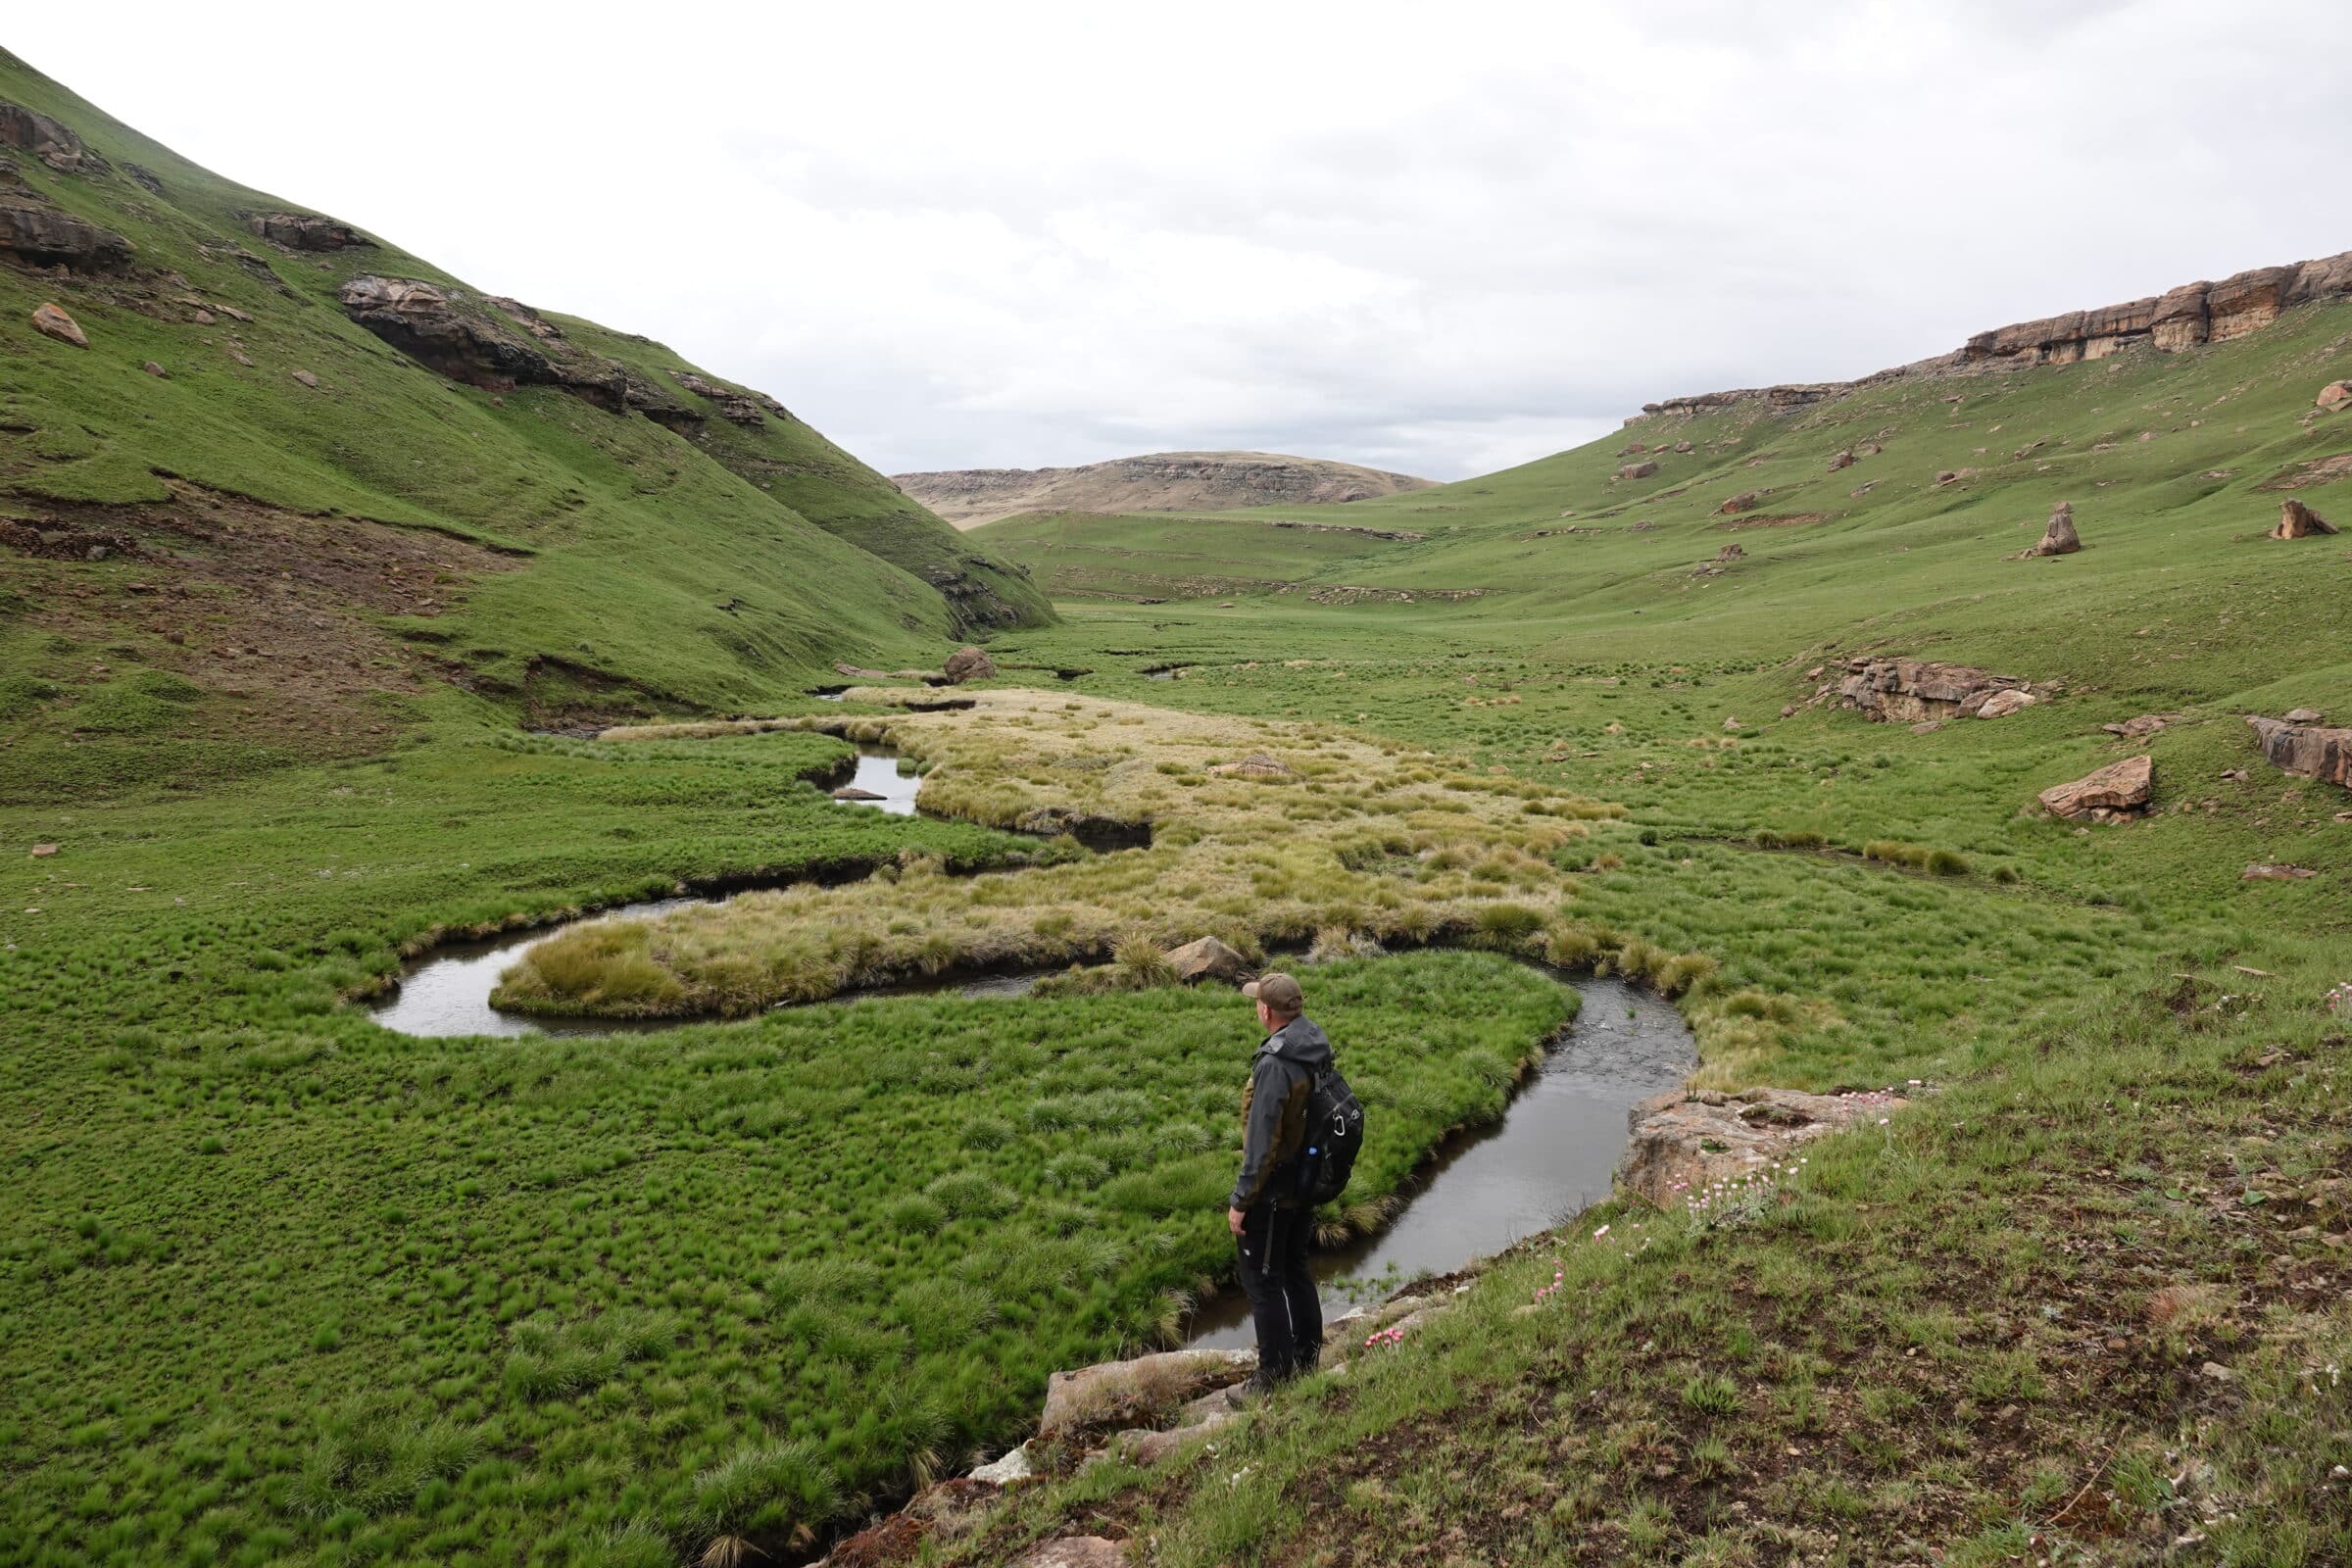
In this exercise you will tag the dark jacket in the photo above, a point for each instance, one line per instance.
(1282, 1076)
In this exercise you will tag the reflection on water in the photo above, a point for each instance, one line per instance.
(878, 775)
(1552, 1154)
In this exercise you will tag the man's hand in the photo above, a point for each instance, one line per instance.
(1233, 1218)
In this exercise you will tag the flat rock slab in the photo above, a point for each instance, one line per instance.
(2118, 790)
(1076, 1551)
(1208, 959)
(1138, 1392)
(1684, 1143)
(1003, 1472)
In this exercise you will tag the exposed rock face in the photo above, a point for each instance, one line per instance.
(1843, 460)
(1125, 1393)
(1208, 959)
(2334, 397)
(2059, 538)
(1683, 1143)
(2308, 751)
(1163, 481)
(437, 328)
(48, 140)
(53, 321)
(2001, 705)
(2182, 317)
(1638, 471)
(2115, 793)
(970, 663)
(305, 232)
(732, 405)
(2298, 521)
(1912, 691)
(36, 234)
(1744, 501)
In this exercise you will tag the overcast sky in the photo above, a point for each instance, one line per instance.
(1440, 238)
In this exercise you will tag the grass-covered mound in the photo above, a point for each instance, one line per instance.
(293, 497)
(383, 1298)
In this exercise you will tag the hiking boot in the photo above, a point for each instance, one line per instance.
(1256, 1386)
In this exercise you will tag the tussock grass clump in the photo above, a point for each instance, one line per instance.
(1919, 857)
(1234, 857)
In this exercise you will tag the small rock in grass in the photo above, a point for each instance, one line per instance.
(1012, 1467)
(306, 378)
(2304, 716)
(2001, 703)
(1077, 1551)
(2334, 397)
(155, 371)
(2262, 871)
(42, 852)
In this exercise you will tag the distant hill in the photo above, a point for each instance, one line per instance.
(216, 405)
(1162, 482)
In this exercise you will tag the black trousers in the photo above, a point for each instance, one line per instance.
(1281, 1287)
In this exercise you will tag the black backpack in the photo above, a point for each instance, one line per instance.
(1331, 1137)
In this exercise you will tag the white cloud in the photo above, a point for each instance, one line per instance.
(1444, 240)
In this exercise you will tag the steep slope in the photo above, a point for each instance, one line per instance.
(1164, 482)
(615, 528)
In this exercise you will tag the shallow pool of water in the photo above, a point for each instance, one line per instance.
(1552, 1154)
(878, 775)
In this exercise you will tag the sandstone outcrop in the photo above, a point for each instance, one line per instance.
(2334, 397)
(2306, 750)
(2059, 538)
(34, 233)
(733, 406)
(1162, 481)
(970, 663)
(2115, 793)
(51, 141)
(1208, 958)
(52, 321)
(2180, 319)
(2001, 705)
(1910, 691)
(2298, 521)
(1744, 501)
(1638, 471)
(305, 232)
(443, 331)
(1144, 1390)
(1686, 1142)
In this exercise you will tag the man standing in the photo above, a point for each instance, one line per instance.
(1272, 1221)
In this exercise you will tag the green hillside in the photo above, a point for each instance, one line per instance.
(634, 542)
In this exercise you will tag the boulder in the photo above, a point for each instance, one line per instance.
(1744, 501)
(1683, 1143)
(53, 321)
(2305, 715)
(1076, 1551)
(2114, 791)
(43, 851)
(1141, 1448)
(1137, 1391)
(850, 791)
(306, 378)
(2335, 397)
(970, 663)
(2059, 538)
(1911, 691)
(1843, 460)
(155, 371)
(2262, 872)
(2298, 521)
(2133, 729)
(1208, 959)
(2001, 705)
(36, 234)
(2307, 751)
(307, 232)
(1638, 471)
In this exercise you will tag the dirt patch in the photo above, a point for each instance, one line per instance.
(275, 611)
(2316, 472)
